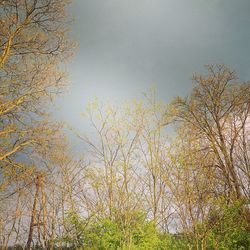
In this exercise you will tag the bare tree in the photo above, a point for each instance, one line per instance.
(33, 43)
(218, 112)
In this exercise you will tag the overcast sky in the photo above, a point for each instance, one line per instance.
(126, 46)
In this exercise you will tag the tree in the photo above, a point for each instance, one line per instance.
(218, 113)
(128, 155)
(33, 43)
(193, 185)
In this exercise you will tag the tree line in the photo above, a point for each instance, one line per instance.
(152, 175)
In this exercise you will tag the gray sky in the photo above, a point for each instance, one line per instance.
(126, 46)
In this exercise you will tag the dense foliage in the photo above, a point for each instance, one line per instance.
(225, 228)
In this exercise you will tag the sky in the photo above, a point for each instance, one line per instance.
(127, 46)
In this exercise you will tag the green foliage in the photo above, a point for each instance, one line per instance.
(112, 234)
(173, 242)
(229, 227)
(225, 229)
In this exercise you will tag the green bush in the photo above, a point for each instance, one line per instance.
(112, 234)
(225, 229)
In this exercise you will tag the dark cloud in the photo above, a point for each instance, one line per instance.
(125, 46)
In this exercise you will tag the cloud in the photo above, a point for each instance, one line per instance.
(126, 46)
